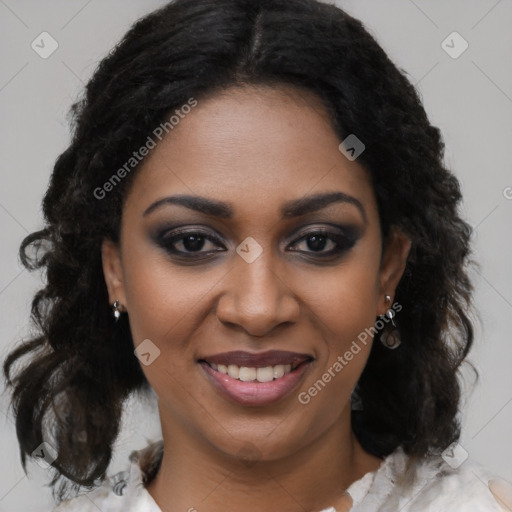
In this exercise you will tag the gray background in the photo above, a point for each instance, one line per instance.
(469, 98)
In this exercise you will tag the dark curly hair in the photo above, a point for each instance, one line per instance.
(80, 368)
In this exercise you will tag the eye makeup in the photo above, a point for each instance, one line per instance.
(200, 242)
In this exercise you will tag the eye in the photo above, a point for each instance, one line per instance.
(195, 244)
(322, 242)
(189, 243)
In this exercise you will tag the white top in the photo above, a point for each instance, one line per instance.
(431, 485)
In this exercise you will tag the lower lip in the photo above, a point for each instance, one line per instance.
(255, 393)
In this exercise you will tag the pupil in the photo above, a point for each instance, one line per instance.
(193, 242)
(316, 242)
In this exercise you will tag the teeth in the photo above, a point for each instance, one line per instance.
(246, 374)
(278, 371)
(265, 374)
(233, 371)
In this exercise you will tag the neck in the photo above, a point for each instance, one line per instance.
(195, 476)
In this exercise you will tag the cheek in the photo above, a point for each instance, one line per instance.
(164, 306)
(345, 299)
(164, 301)
(345, 316)
(343, 307)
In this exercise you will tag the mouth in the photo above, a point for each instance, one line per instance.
(263, 367)
(255, 379)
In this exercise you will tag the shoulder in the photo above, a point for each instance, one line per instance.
(111, 496)
(124, 491)
(465, 488)
(443, 483)
(90, 502)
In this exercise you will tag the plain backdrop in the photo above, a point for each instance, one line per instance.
(469, 97)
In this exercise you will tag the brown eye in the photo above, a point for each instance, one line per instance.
(318, 242)
(326, 243)
(185, 243)
(193, 243)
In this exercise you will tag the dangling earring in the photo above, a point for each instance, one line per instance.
(390, 313)
(390, 338)
(116, 311)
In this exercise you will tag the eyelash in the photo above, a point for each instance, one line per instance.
(344, 242)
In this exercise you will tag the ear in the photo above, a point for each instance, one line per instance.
(113, 273)
(392, 266)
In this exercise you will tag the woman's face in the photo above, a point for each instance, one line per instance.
(250, 241)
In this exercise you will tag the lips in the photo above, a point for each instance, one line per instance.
(250, 379)
(258, 360)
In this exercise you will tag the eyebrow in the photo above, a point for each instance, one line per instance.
(293, 208)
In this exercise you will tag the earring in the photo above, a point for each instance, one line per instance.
(390, 313)
(390, 338)
(116, 311)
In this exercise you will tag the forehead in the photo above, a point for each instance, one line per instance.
(254, 147)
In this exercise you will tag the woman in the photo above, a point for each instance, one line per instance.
(254, 221)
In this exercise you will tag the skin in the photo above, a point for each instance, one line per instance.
(254, 148)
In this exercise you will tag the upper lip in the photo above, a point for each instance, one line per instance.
(257, 360)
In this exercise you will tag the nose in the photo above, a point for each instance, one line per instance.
(256, 298)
